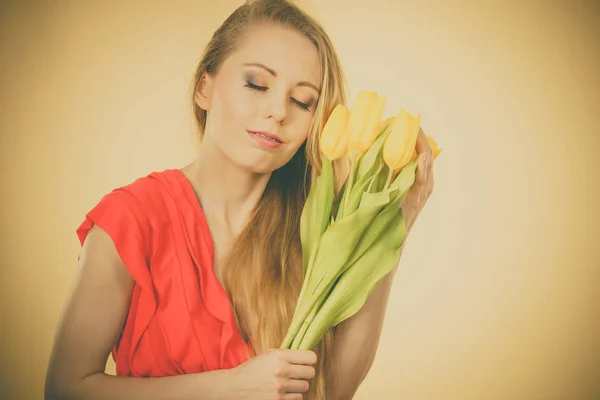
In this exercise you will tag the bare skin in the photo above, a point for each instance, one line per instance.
(97, 305)
(92, 321)
(98, 302)
(357, 338)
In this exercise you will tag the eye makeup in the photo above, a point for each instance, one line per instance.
(305, 106)
(253, 83)
(252, 86)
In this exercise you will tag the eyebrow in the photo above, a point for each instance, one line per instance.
(272, 72)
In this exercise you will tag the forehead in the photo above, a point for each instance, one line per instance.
(289, 53)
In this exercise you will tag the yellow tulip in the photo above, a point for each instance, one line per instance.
(434, 146)
(432, 143)
(359, 116)
(399, 146)
(386, 122)
(361, 141)
(414, 155)
(435, 150)
(334, 140)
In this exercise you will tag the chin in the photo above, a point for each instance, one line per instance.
(258, 165)
(255, 160)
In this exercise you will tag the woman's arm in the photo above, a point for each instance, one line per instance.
(357, 339)
(90, 324)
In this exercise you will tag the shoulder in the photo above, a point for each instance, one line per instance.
(132, 207)
(144, 195)
(147, 187)
(126, 215)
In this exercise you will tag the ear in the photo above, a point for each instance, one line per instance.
(203, 92)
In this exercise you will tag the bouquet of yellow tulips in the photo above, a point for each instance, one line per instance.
(351, 242)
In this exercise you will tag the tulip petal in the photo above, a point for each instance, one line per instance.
(373, 120)
(365, 100)
(401, 142)
(333, 141)
(434, 146)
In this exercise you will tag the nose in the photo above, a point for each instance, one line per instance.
(277, 109)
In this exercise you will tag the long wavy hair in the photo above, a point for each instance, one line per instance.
(263, 272)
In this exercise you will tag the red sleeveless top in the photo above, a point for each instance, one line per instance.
(180, 319)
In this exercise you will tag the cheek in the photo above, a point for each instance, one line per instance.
(234, 105)
(301, 128)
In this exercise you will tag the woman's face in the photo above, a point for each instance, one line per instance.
(261, 103)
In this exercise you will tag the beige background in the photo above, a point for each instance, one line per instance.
(498, 292)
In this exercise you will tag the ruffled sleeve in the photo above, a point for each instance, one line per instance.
(120, 214)
(180, 318)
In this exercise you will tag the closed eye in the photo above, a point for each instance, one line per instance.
(300, 104)
(304, 106)
(252, 86)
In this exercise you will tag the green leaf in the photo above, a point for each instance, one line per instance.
(307, 322)
(380, 179)
(349, 238)
(369, 199)
(315, 218)
(337, 246)
(353, 287)
(357, 191)
(406, 177)
(337, 201)
(369, 163)
(344, 243)
(316, 213)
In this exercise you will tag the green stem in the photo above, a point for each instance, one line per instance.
(305, 325)
(296, 321)
(375, 177)
(300, 316)
(371, 184)
(308, 324)
(303, 316)
(314, 333)
(388, 182)
(348, 190)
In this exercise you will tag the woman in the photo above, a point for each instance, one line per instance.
(190, 276)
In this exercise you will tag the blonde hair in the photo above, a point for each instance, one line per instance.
(263, 273)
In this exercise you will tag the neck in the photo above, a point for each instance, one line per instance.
(225, 191)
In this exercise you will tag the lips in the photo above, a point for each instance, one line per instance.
(267, 136)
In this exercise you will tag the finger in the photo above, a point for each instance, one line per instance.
(422, 146)
(425, 155)
(423, 168)
(430, 185)
(305, 357)
(293, 396)
(296, 386)
(301, 372)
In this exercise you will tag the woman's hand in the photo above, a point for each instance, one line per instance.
(275, 374)
(417, 195)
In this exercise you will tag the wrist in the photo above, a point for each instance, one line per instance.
(227, 384)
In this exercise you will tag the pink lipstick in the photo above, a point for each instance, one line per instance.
(266, 139)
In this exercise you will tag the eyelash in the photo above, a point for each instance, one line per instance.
(252, 86)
